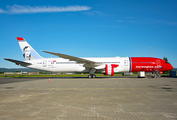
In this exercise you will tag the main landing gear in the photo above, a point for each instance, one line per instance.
(92, 71)
(92, 76)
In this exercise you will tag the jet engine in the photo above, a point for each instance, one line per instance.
(109, 69)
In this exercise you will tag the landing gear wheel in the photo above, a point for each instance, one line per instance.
(91, 76)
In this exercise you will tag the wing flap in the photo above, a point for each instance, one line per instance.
(18, 62)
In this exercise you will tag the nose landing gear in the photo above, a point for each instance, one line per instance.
(154, 75)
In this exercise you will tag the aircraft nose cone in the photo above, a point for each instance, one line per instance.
(171, 67)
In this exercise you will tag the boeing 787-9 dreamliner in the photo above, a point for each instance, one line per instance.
(105, 65)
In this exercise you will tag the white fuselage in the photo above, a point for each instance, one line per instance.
(64, 65)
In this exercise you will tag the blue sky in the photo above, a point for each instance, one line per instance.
(89, 28)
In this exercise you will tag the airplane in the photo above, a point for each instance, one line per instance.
(105, 65)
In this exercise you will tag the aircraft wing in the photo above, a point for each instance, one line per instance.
(87, 63)
(18, 62)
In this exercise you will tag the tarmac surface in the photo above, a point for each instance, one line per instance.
(88, 99)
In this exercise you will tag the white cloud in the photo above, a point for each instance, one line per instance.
(130, 17)
(19, 9)
(2, 11)
(94, 13)
(146, 21)
(172, 23)
(119, 20)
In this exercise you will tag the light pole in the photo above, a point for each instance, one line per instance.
(150, 51)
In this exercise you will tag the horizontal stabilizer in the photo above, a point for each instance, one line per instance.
(18, 62)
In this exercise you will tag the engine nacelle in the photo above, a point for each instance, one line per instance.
(109, 69)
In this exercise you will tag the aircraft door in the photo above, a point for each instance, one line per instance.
(158, 63)
(44, 63)
(126, 62)
(124, 65)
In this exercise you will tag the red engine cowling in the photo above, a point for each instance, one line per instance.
(109, 69)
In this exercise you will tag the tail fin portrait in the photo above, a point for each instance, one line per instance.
(28, 52)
